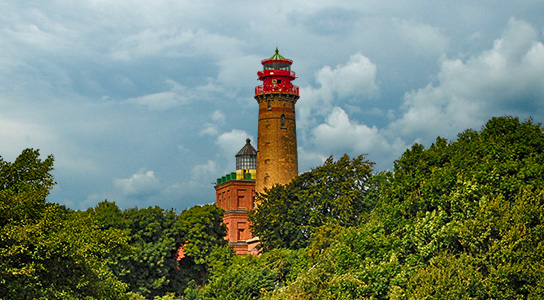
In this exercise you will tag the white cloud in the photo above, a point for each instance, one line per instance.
(507, 79)
(234, 68)
(211, 128)
(177, 95)
(423, 38)
(218, 116)
(159, 101)
(308, 159)
(231, 142)
(141, 184)
(339, 133)
(175, 42)
(206, 170)
(354, 80)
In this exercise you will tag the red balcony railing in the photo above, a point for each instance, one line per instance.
(277, 72)
(276, 88)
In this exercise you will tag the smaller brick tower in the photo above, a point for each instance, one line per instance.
(235, 193)
(277, 160)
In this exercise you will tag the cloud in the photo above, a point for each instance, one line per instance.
(231, 142)
(507, 79)
(205, 171)
(151, 42)
(142, 184)
(211, 128)
(218, 116)
(232, 69)
(175, 42)
(178, 95)
(423, 38)
(356, 78)
(159, 101)
(353, 81)
(339, 135)
(23, 135)
(332, 20)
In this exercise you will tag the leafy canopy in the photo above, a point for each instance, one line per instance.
(338, 192)
(46, 250)
(459, 220)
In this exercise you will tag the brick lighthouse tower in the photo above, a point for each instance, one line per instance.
(277, 159)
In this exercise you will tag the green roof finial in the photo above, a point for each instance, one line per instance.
(277, 56)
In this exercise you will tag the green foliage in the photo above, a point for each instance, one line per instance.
(460, 220)
(504, 157)
(109, 215)
(338, 192)
(154, 267)
(202, 231)
(50, 252)
(150, 268)
(24, 186)
(47, 251)
(354, 263)
(246, 277)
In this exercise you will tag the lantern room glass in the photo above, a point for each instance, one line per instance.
(246, 162)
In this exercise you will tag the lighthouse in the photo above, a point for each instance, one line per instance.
(274, 162)
(277, 159)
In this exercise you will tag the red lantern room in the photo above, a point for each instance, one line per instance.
(276, 76)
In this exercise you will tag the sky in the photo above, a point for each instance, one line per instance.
(146, 103)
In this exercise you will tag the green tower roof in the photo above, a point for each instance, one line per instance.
(277, 56)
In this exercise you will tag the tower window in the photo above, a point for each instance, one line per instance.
(282, 120)
(240, 234)
(269, 105)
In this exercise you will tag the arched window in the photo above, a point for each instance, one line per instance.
(282, 120)
(269, 107)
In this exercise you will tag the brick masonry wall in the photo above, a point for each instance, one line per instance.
(236, 198)
(277, 159)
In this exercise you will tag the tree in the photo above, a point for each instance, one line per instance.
(168, 250)
(46, 250)
(150, 268)
(246, 277)
(202, 231)
(464, 199)
(24, 186)
(338, 192)
(459, 220)
(108, 215)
